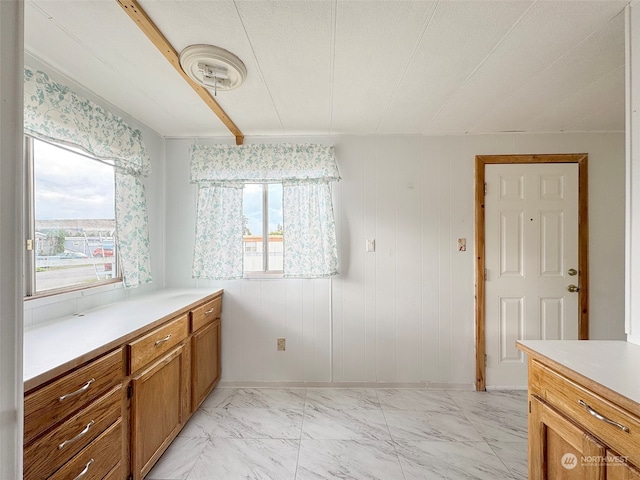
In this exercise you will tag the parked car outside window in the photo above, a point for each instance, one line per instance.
(70, 254)
(104, 251)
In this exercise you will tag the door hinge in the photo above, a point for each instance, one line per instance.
(486, 273)
(29, 244)
(529, 406)
(485, 359)
(130, 391)
(485, 188)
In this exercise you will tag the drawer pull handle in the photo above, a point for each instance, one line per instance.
(165, 339)
(602, 417)
(78, 436)
(209, 311)
(86, 469)
(77, 392)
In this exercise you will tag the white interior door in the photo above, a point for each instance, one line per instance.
(531, 256)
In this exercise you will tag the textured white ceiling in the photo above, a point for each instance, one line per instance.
(359, 67)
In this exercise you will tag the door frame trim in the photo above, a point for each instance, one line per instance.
(583, 244)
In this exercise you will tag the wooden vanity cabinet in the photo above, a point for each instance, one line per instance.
(557, 447)
(620, 469)
(205, 351)
(578, 430)
(74, 424)
(112, 417)
(159, 407)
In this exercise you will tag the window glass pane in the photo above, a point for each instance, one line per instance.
(252, 238)
(276, 234)
(74, 219)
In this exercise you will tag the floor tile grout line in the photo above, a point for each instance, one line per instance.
(304, 414)
(393, 442)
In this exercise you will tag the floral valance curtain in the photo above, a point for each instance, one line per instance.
(305, 170)
(54, 113)
(285, 163)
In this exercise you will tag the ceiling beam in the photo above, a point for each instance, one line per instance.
(138, 15)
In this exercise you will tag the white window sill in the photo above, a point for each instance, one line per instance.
(263, 276)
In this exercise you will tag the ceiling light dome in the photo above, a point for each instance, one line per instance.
(213, 67)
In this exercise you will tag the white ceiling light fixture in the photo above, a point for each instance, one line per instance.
(213, 67)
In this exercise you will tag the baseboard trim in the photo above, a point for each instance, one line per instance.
(408, 385)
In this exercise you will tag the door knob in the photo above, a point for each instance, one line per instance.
(572, 272)
(573, 289)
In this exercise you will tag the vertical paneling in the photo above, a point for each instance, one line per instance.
(430, 260)
(404, 313)
(445, 250)
(462, 266)
(295, 330)
(386, 258)
(273, 318)
(348, 289)
(369, 176)
(408, 269)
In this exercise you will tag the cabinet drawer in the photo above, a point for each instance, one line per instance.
(206, 313)
(115, 474)
(47, 406)
(49, 452)
(157, 342)
(613, 425)
(98, 459)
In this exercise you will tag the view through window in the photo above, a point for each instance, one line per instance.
(263, 231)
(72, 219)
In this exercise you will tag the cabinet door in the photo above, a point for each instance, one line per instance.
(619, 469)
(559, 449)
(205, 355)
(159, 407)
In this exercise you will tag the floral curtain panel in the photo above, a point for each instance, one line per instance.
(305, 170)
(310, 248)
(218, 247)
(132, 230)
(53, 112)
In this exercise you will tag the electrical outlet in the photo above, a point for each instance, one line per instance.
(370, 245)
(281, 344)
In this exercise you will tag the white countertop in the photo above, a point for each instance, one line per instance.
(71, 339)
(613, 364)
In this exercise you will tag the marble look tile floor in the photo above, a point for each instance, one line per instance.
(351, 433)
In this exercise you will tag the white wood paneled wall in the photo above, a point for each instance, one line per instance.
(11, 291)
(405, 313)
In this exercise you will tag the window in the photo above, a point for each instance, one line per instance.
(70, 220)
(262, 233)
(296, 232)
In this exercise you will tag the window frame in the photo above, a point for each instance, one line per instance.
(265, 272)
(29, 259)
